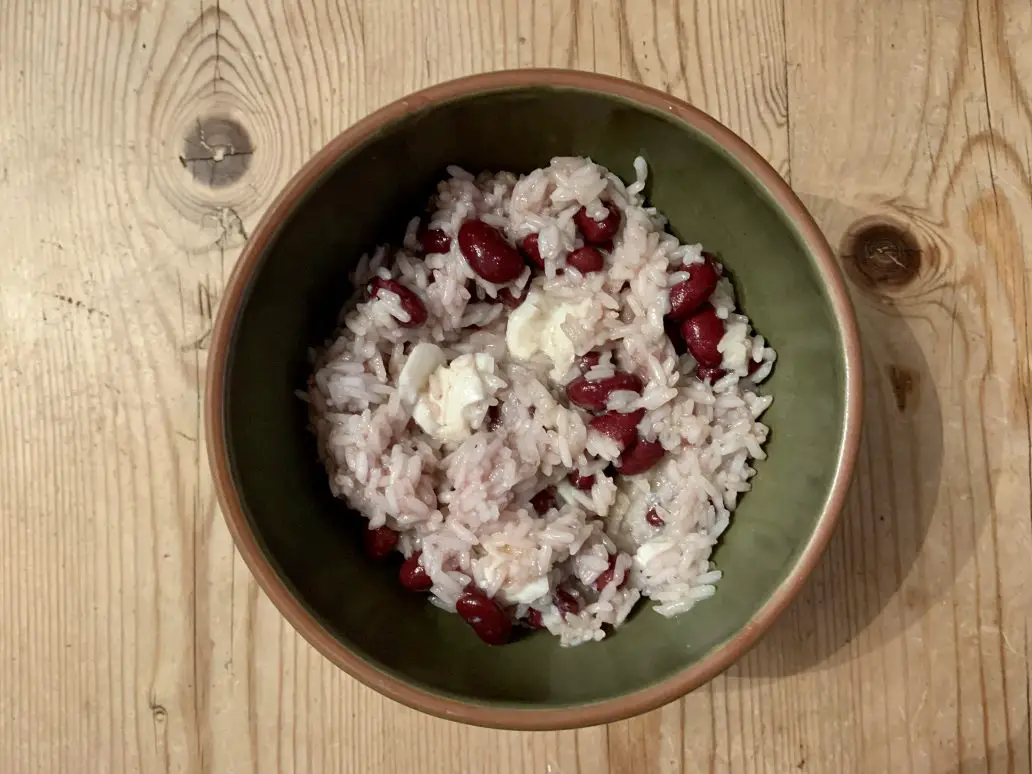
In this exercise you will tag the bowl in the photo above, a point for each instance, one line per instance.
(303, 546)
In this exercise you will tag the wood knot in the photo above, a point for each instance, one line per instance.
(880, 254)
(217, 151)
(904, 384)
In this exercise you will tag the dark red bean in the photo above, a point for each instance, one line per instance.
(589, 360)
(512, 301)
(754, 366)
(622, 428)
(639, 457)
(410, 302)
(488, 620)
(531, 251)
(379, 542)
(598, 231)
(673, 332)
(702, 333)
(608, 574)
(566, 602)
(689, 295)
(488, 253)
(594, 394)
(582, 481)
(653, 519)
(710, 373)
(413, 576)
(533, 619)
(435, 241)
(586, 259)
(545, 500)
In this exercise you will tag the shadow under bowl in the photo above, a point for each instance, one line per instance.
(304, 546)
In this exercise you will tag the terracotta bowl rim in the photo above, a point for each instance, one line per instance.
(308, 626)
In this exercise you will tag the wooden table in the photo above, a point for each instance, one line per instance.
(140, 140)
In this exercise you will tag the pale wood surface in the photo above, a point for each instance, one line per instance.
(131, 636)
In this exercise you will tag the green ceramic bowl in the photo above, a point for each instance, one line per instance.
(304, 547)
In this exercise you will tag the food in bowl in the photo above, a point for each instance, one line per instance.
(546, 404)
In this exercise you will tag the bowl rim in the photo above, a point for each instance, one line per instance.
(307, 624)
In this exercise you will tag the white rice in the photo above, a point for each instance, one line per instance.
(466, 506)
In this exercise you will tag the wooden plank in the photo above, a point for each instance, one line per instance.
(913, 115)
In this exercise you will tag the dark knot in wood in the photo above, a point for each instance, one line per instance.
(881, 255)
(217, 151)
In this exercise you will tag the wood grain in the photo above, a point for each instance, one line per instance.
(141, 141)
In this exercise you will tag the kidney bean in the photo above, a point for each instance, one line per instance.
(639, 457)
(690, 294)
(488, 253)
(533, 619)
(586, 259)
(754, 366)
(531, 251)
(589, 360)
(410, 302)
(710, 373)
(488, 620)
(594, 394)
(545, 500)
(379, 542)
(653, 519)
(566, 602)
(673, 332)
(581, 481)
(622, 428)
(702, 333)
(511, 301)
(598, 231)
(435, 241)
(608, 574)
(413, 576)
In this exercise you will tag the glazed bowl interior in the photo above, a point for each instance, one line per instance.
(308, 544)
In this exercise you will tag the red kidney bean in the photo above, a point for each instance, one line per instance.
(435, 241)
(710, 373)
(531, 251)
(598, 231)
(653, 519)
(689, 295)
(488, 253)
(581, 481)
(566, 602)
(379, 542)
(639, 457)
(545, 500)
(533, 619)
(413, 576)
(702, 333)
(511, 301)
(594, 394)
(586, 259)
(488, 620)
(608, 574)
(589, 360)
(754, 366)
(622, 428)
(410, 302)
